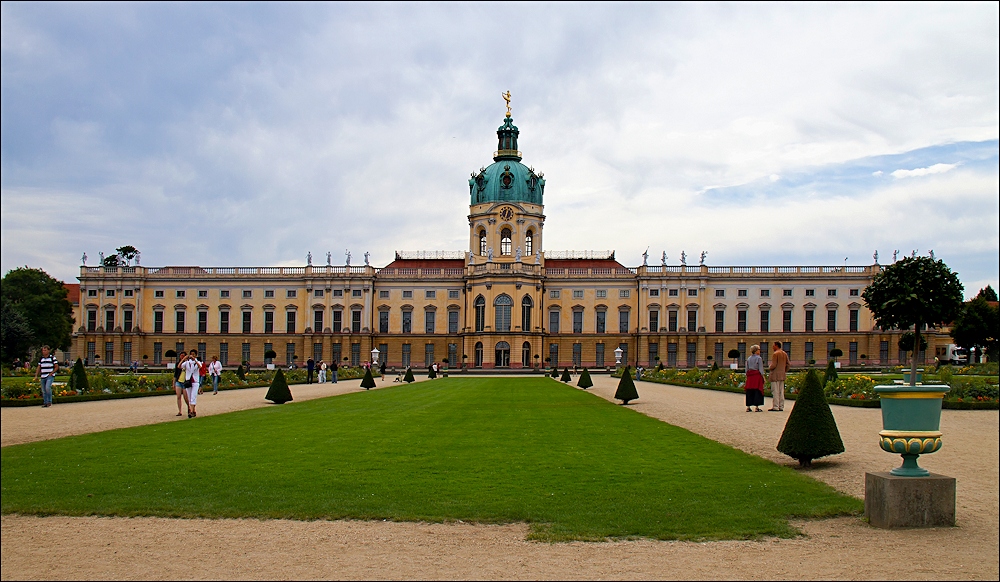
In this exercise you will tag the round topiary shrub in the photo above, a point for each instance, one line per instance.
(278, 392)
(811, 431)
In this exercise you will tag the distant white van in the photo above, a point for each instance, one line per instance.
(951, 354)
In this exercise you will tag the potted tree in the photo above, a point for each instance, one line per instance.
(269, 356)
(913, 292)
(836, 353)
(734, 355)
(171, 354)
(536, 361)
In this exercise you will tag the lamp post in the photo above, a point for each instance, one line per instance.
(375, 353)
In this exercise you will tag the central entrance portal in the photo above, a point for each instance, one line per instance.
(503, 355)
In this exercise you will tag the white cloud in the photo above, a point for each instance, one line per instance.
(935, 169)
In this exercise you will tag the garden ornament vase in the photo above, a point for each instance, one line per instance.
(911, 423)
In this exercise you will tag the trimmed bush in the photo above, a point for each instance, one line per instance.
(78, 378)
(626, 387)
(811, 431)
(555, 372)
(278, 393)
(368, 381)
(565, 375)
(831, 373)
(585, 381)
(409, 376)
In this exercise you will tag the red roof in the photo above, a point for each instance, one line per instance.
(426, 264)
(73, 292)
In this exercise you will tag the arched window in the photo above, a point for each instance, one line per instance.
(482, 243)
(526, 306)
(478, 355)
(526, 354)
(480, 305)
(528, 246)
(505, 241)
(502, 359)
(503, 306)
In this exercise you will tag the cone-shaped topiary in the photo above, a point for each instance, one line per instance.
(715, 366)
(565, 375)
(368, 381)
(831, 373)
(626, 387)
(585, 381)
(278, 393)
(78, 378)
(555, 372)
(811, 431)
(409, 376)
(241, 373)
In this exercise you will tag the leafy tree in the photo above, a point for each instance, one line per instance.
(831, 373)
(585, 381)
(811, 431)
(111, 261)
(278, 392)
(78, 378)
(915, 291)
(734, 355)
(17, 337)
(836, 353)
(987, 293)
(565, 375)
(127, 253)
(41, 303)
(907, 340)
(409, 376)
(368, 381)
(626, 387)
(977, 326)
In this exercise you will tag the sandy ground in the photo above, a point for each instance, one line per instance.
(843, 548)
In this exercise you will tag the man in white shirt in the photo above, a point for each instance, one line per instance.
(214, 371)
(192, 374)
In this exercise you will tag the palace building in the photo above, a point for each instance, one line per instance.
(505, 302)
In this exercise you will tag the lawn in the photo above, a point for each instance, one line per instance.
(495, 450)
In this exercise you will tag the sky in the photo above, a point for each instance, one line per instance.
(252, 134)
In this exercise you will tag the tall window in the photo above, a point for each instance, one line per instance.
(853, 323)
(452, 354)
(223, 322)
(356, 322)
(692, 320)
(554, 355)
(623, 324)
(831, 320)
(654, 321)
(671, 355)
(526, 307)
(477, 355)
(810, 319)
(503, 305)
(157, 353)
(526, 354)
(482, 243)
(289, 354)
(505, 241)
(809, 352)
(383, 322)
(692, 354)
(765, 321)
(577, 355)
(528, 244)
(577, 321)
(355, 355)
(654, 353)
(127, 321)
(480, 305)
(602, 321)
(109, 320)
(428, 321)
(720, 320)
(245, 352)
(338, 321)
(246, 322)
(786, 320)
(406, 355)
(126, 352)
(157, 322)
(554, 321)
(202, 322)
(179, 321)
(224, 353)
(599, 355)
(428, 354)
(109, 353)
(407, 321)
(741, 320)
(672, 320)
(317, 320)
(452, 324)
(268, 322)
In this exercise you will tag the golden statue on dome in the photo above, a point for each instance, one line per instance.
(506, 97)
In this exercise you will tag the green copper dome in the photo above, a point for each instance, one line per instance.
(507, 179)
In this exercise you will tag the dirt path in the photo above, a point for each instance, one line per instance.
(843, 548)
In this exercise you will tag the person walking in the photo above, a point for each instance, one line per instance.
(310, 368)
(215, 371)
(333, 370)
(192, 382)
(179, 385)
(779, 372)
(381, 370)
(754, 386)
(46, 372)
(322, 372)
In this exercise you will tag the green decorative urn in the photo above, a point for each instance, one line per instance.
(911, 423)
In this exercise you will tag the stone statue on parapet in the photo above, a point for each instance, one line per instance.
(875, 256)
(702, 260)
(489, 254)
(138, 255)
(101, 256)
(367, 255)
(329, 259)
(517, 255)
(348, 252)
(663, 259)
(645, 257)
(931, 254)
(309, 259)
(895, 253)
(684, 259)
(84, 258)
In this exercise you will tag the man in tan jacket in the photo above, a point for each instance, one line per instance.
(778, 373)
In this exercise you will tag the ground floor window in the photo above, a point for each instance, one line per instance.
(355, 355)
(577, 355)
(502, 356)
(526, 354)
(554, 355)
(157, 353)
(224, 353)
(671, 355)
(406, 355)
(289, 354)
(654, 354)
(692, 354)
(245, 353)
(428, 354)
(109, 353)
(599, 355)
(477, 358)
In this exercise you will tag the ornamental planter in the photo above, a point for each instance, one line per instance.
(906, 376)
(911, 422)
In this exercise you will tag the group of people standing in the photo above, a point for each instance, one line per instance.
(754, 387)
(324, 371)
(188, 374)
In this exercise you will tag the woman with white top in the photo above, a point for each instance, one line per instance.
(192, 374)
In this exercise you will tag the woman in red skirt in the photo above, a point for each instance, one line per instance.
(754, 387)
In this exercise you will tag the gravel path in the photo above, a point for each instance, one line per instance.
(842, 548)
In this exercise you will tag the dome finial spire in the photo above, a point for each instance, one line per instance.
(506, 97)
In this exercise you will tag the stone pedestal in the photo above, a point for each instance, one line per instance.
(892, 501)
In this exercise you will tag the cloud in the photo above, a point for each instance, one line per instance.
(935, 169)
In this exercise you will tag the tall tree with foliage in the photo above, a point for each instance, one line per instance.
(915, 291)
(987, 293)
(977, 326)
(127, 254)
(40, 303)
(626, 387)
(17, 337)
(585, 381)
(811, 431)
(278, 392)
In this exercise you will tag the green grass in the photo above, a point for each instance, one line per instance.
(494, 450)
